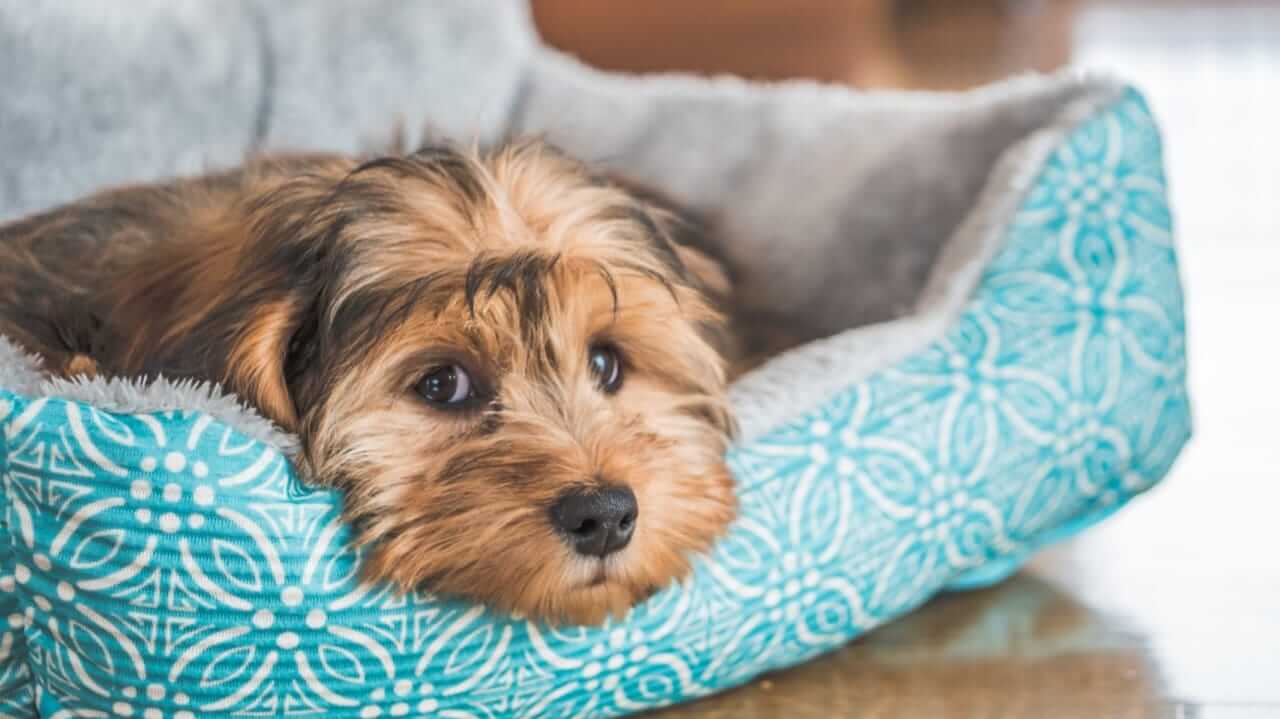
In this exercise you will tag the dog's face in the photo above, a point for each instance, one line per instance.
(506, 367)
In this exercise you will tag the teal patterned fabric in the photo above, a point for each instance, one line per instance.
(163, 565)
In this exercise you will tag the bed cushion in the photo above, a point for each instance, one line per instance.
(163, 559)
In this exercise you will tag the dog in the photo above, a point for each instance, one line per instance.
(511, 366)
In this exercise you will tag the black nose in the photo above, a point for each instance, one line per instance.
(597, 522)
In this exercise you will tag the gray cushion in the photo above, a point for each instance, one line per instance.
(97, 94)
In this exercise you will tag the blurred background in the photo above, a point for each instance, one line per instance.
(1173, 607)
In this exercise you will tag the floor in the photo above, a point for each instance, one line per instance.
(1171, 608)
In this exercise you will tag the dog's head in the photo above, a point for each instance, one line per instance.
(504, 362)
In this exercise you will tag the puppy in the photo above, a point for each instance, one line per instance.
(502, 359)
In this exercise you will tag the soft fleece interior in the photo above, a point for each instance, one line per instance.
(864, 219)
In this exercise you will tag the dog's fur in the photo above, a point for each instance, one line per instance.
(321, 289)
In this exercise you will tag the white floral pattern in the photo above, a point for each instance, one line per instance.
(162, 565)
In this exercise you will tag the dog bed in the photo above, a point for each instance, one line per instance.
(996, 361)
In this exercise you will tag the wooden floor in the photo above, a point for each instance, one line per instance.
(1171, 608)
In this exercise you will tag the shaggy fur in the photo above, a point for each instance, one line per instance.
(322, 290)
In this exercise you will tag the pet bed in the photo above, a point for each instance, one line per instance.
(997, 362)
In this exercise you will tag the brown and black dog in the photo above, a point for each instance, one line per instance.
(508, 364)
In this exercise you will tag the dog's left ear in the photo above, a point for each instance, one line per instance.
(690, 234)
(710, 275)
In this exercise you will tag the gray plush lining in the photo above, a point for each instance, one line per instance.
(101, 97)
(19, 373)
(800, 379)
(136, 396)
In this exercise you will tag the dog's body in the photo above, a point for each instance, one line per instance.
(504, 361)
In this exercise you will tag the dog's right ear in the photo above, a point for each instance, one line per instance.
(226, 314)
(275, 347)
(227, 291)
(266, 357)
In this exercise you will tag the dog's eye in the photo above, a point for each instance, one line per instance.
(607, 367)
(446, 385)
